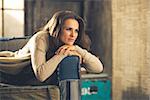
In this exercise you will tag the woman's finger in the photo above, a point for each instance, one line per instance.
(64, 48)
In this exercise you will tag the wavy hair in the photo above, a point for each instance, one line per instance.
(55, 24)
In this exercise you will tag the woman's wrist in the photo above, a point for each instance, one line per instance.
(80, 51)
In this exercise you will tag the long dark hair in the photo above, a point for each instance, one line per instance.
(54, 25)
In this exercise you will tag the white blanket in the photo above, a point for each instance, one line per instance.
(11, 63)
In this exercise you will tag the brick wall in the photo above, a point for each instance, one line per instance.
(131, 49)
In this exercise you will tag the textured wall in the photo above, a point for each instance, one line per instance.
(131, 49)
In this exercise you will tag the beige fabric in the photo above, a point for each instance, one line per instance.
(12, 57)
(54, 92)
(48, 92)
(38, 45)
(6, 54)
(9, 63)
(93, 64)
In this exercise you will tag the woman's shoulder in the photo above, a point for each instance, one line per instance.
(40, 38)
(40, 35)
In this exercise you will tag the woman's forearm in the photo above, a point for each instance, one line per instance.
(93, 64)
(46, 69)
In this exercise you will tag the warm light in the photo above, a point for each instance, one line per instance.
(14, 4)
(13, 23)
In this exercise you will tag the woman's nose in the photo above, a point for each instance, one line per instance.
(73, 33)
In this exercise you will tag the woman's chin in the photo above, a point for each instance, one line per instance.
(69, 43)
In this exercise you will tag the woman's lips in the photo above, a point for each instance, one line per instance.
(71, 40)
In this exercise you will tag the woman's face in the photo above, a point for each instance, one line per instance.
(69, 31)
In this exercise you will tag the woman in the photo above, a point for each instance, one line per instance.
(62, 36)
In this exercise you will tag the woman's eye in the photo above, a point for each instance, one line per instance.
(77, 31)
(68, 29)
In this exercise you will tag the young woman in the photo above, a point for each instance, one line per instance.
(62, 36)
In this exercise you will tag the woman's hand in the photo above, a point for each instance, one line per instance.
(68, 50)
(65, 49)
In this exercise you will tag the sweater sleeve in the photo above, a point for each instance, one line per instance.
(93, 64)
(42, 68)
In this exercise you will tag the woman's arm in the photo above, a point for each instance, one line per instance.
(42, 68)
(93, 64)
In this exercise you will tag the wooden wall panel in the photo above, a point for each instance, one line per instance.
(47, 9)
(41, 11)
(97, 14)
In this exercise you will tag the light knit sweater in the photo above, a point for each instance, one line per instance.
(38, 46)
